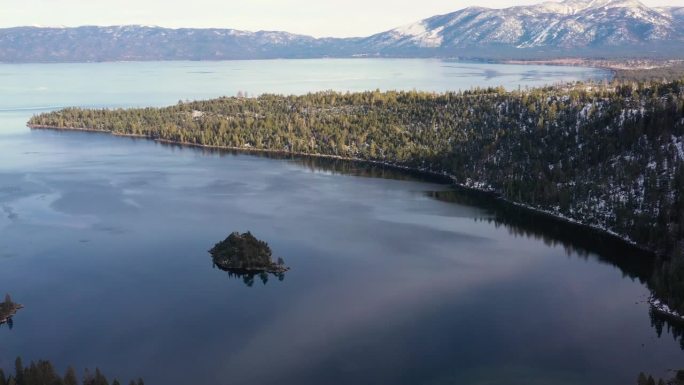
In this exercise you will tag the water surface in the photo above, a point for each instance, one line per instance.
(393, 280)
(32, 86)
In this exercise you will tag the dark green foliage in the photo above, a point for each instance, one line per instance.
(94, 379)
(19, 371)
(608, 156)
(667, 324)
(44, 373)
(244, 256)
(677, 380)
(7, 309)
(70, 377)
(7, 306)
(242, 251)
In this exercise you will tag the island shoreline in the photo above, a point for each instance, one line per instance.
(12, 313)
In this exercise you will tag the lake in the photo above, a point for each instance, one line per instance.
(394, 280)
(29, 86)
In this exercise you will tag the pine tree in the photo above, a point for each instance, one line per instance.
(88, 378)
(70, 377)
(99, 378)
(19, 371)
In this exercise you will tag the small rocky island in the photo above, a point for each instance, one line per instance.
(244, 255)
(8, 308)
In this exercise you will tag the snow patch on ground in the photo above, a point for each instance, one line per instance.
(415, 29)
(662, 307)
(678, 145)
(419, 34)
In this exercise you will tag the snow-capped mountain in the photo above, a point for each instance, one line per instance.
(134, 42)
(588, 28)
(571, 25)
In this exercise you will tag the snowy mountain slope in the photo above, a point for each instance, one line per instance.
(571, 24)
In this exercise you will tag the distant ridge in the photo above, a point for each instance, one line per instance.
(580, 28)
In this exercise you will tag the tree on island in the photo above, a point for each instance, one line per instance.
(8, 309)
(245, 252)
(242, 251)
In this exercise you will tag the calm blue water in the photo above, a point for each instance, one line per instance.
(163, 83)
(105, 240)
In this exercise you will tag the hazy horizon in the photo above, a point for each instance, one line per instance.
(306, 17)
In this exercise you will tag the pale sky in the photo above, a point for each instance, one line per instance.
(339, 18)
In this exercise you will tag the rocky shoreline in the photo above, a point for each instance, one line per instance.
(662, 308)
(273, 269)
(6, 317)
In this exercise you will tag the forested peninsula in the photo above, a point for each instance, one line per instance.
(609, 156)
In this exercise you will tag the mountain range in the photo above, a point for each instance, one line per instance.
(580, 28)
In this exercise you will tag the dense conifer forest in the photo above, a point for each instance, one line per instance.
(609, 156)
(44, 373)
(678, 379)
(668, 72)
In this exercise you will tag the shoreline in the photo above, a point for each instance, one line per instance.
(662, 308)
(479, 187)
(12, 313)
(274, 269)
(611, 67)
(607, 64)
